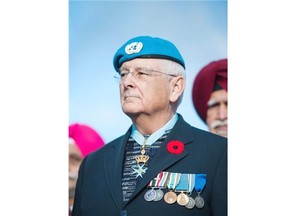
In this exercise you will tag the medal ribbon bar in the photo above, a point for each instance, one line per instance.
(173, 181)
(191, 179)
(183, 184)
(200, 182)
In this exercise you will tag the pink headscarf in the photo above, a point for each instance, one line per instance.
(86, 138)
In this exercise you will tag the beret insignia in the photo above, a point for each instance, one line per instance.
(134, 47)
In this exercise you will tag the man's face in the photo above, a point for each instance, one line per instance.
(217, 113)
(144, 93)
(75, 159)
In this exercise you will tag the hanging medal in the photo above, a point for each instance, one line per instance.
(171, 197)
(147, 140)
(183, 186)
(191, 202)
(151, 194)
(200, 182)
(157, 183)
(160, 184)
(139, 169)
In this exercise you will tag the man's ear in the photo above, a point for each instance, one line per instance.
(177, 87)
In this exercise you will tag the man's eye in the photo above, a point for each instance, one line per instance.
(142, 73)
(122, 75)
(214, 105)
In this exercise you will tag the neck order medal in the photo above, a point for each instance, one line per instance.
(139, 169)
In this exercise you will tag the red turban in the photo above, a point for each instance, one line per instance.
(213, 73)
(85, 138)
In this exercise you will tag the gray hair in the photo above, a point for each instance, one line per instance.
(175, 69)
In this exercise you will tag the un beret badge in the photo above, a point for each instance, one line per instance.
(134, 47)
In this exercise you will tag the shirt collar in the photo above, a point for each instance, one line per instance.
(139, 138)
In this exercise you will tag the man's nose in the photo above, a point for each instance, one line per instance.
(222, 111)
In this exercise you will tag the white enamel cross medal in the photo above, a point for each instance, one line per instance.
(138, 169)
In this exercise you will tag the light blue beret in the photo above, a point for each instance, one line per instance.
(147, 47)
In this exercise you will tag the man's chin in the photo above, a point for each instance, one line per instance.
(221, 132)
(130, 111)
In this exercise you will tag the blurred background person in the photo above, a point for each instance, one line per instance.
(210, 96)
(82, 140)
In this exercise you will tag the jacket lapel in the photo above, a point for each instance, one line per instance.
(113, 171)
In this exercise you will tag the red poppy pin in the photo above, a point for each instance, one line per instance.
(175, 147)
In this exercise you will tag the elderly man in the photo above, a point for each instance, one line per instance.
(209, 96)
(161, 165)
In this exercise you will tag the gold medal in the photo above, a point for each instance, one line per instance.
(142, 158)
(170, 197)
(182, 199)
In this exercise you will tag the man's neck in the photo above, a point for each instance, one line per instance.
(148, 124)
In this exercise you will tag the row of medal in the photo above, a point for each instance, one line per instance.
(177, 182)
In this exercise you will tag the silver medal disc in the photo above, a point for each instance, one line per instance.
(199, 201)
(159, 195)
(150, 195)
(191, 203)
